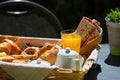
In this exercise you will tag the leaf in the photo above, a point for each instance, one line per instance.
(114, 15)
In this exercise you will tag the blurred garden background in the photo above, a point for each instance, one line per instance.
(70, 12)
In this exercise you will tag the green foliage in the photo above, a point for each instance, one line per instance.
(114, 15)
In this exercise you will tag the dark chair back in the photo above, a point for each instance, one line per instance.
(27, 18)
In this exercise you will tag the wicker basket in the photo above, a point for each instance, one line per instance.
(67, 74)
(58, 73)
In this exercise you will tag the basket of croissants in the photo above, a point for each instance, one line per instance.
(32, 58)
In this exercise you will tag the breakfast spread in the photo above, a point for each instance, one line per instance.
(50, 53)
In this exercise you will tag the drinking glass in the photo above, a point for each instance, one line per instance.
(71, 39)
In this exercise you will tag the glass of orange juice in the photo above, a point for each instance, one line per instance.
(71, 39)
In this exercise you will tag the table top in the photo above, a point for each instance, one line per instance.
(106, 68)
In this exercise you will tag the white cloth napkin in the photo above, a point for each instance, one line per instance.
(29, 71)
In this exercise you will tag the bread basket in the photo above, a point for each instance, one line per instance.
(91, 34)
(35, 73)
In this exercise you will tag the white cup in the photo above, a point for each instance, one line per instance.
(76, 64)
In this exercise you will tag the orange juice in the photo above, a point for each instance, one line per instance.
(73, 41)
